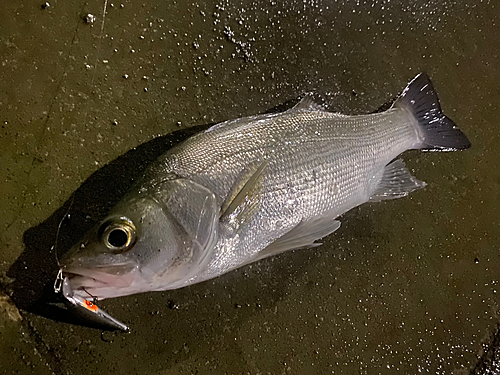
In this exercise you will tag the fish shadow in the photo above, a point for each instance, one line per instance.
(30, 279)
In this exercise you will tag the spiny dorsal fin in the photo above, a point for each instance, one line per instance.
(307, 103)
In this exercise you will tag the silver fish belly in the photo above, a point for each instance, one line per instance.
(254, 187)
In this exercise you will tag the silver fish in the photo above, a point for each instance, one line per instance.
(254, 187)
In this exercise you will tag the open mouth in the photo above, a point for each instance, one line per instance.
(116, 276)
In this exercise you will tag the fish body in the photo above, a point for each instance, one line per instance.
(254, 187)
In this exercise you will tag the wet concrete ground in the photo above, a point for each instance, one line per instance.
(404, 286)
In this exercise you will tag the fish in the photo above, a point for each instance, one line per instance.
(253, 187)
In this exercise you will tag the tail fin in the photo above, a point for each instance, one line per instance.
(439, 132)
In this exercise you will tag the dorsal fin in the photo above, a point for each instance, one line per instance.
(307, 103)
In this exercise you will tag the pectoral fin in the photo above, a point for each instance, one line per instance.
(301, 236)
(245, 197)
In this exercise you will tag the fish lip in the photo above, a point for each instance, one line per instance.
(78, 279)
(120, 276)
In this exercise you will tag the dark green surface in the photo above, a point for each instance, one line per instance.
(403, 286)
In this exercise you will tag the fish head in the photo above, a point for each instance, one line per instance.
(154, 239)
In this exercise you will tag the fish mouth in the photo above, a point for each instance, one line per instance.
(91, 280)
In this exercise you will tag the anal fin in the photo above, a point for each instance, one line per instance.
(396, 182)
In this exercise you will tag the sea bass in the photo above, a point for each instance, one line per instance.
(254, 187)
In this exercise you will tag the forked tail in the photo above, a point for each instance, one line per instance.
(438, 131)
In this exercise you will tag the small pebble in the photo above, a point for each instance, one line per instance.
(89, 18)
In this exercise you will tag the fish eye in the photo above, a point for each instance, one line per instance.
(118, 235)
